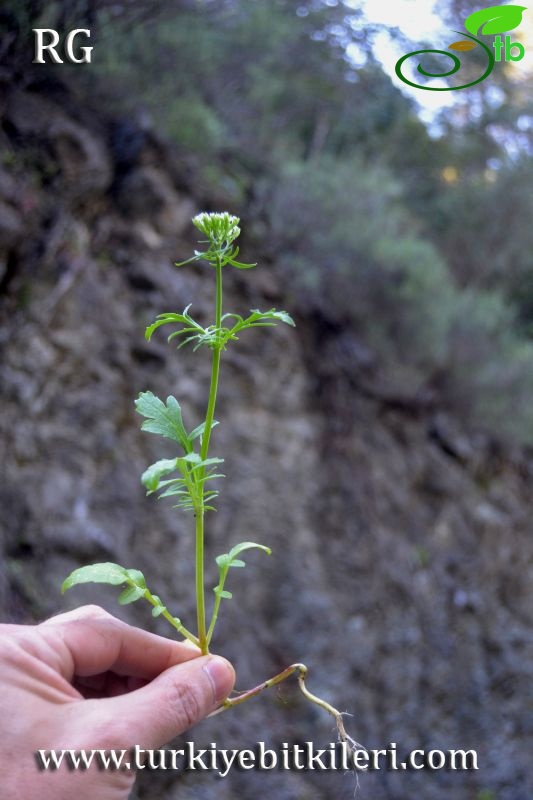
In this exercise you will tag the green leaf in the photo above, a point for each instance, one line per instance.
(151, 477)
(231, 258)
(231, 316)
(210, 477)
(171, 318)
(196, 257)
(162, 319)
(239, 548)
(106, 572)
(222, 593)
(260, 316)
(130, 595)
(227, 560)
(198, 431)
(207, 462)
(159, 608)
(137, 577)
(192, 458)
(165, 420)
(240, 264)
(498, 19)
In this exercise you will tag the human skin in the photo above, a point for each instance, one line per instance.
(85, 680)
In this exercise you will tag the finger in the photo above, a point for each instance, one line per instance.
(90, 641)
(173, 702)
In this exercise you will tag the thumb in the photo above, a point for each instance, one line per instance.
(170, 704)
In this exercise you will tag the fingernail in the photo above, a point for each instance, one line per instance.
(221, 675)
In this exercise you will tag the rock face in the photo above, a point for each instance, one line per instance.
(402, 551)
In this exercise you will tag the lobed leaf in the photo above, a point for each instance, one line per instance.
(164, 420)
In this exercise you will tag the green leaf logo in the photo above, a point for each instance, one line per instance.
(498, 19)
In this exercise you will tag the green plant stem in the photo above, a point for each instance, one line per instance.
(216, 607)
(215, 369)
(174, 621)
(200, 592)
(213, 619)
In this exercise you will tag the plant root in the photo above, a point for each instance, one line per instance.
(301, 670)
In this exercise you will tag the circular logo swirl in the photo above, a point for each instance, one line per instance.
(456, 67)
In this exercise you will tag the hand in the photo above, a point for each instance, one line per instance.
(85, 680)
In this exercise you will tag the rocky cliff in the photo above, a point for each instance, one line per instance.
(402, 551)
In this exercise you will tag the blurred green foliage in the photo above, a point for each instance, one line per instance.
(349, 244)
(420, 242)
(347, 240)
